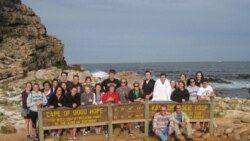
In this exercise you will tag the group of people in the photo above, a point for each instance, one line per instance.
(62, 92)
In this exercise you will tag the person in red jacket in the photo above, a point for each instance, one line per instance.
(110, 96)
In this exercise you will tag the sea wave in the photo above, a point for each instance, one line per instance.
(100, 74)
(235, 84)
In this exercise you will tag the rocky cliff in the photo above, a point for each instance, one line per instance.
(24, 42)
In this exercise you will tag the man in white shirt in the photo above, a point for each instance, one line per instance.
(205, 91)
(162, 89)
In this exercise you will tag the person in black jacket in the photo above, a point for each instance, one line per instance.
(148, 85)
(181, 94)
(72, 100)
(57, 100)
(111, 80)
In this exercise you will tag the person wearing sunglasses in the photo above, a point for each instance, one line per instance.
(193, 90)
(123, 90)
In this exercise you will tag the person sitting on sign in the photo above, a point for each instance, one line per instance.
(72, 100)
(205, 91)
(181, 123)
(55, 101)
(163, 123)
(87, 98)
(110, 96)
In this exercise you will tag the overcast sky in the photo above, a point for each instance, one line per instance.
(112, 31)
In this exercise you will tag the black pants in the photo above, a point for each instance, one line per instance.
(34, 116)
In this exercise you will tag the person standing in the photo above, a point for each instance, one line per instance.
(181, 123)
(47, 90)
(72, 100)
(35, 100)
(77, 84)
(55, 101)
(64, 78)
(110, 96)
(162, 89)
(193, 90)
(123, 90)
(163, 123)
(88, 82)
(111, 80)
(25, 110)
(148, 85)
(180, 94)
(199, 77)
(205, 91)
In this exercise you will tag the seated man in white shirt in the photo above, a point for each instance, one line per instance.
(205, 91)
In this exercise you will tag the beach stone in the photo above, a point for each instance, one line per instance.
(224, 137)
(239, 130)
(226, 99)
(197, 134)
(236, 137)
(206, 136)
(245, 109)
(219, 131)
(237, 121)
(228, 130)
(245, 119)
(222, 113)
(8, 129)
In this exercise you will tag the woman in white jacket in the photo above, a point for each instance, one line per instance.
(162, 89)
(34, 100)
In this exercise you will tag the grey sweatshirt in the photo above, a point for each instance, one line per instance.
(33, 98)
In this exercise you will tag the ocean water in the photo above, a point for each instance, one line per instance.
(237, 73)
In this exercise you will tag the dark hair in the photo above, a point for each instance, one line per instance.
(204, 80)
(60, 88)
(163, 74)
(182, 83)
(136, 82)
(76, 75)
(148, 71)
(173, 81)
(183, 74)
(55, 80)
(175, 107)
(88, 77)
(28, 83)
(202, 75)
(36, 84)
(189, 81)
(164, 105)
(98, 84)
(73, 87)
(46, 82)
(64, 73)
(112, 71)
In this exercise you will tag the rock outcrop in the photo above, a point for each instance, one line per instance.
(24, 43)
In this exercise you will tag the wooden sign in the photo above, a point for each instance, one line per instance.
(135, 111)
(82, 116)
(194, 111)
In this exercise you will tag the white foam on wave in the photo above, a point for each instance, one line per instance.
(233, 85)
(100, 74)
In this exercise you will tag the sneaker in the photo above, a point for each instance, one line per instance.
(105, 132)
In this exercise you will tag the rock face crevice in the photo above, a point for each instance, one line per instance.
(24, 42)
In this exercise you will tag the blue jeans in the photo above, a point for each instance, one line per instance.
(163, 134)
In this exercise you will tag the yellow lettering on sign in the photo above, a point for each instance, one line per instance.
(50, 114)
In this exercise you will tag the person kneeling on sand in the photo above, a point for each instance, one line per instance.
(181, 123)
(162, 123)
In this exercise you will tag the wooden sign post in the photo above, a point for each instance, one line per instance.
(109, 114)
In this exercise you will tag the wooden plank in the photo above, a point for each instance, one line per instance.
(40, 125)
(146, 126)
(211, 123)
(75, 126)
(110, 125)
(128, 121)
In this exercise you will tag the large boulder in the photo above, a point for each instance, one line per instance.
(8, 129)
